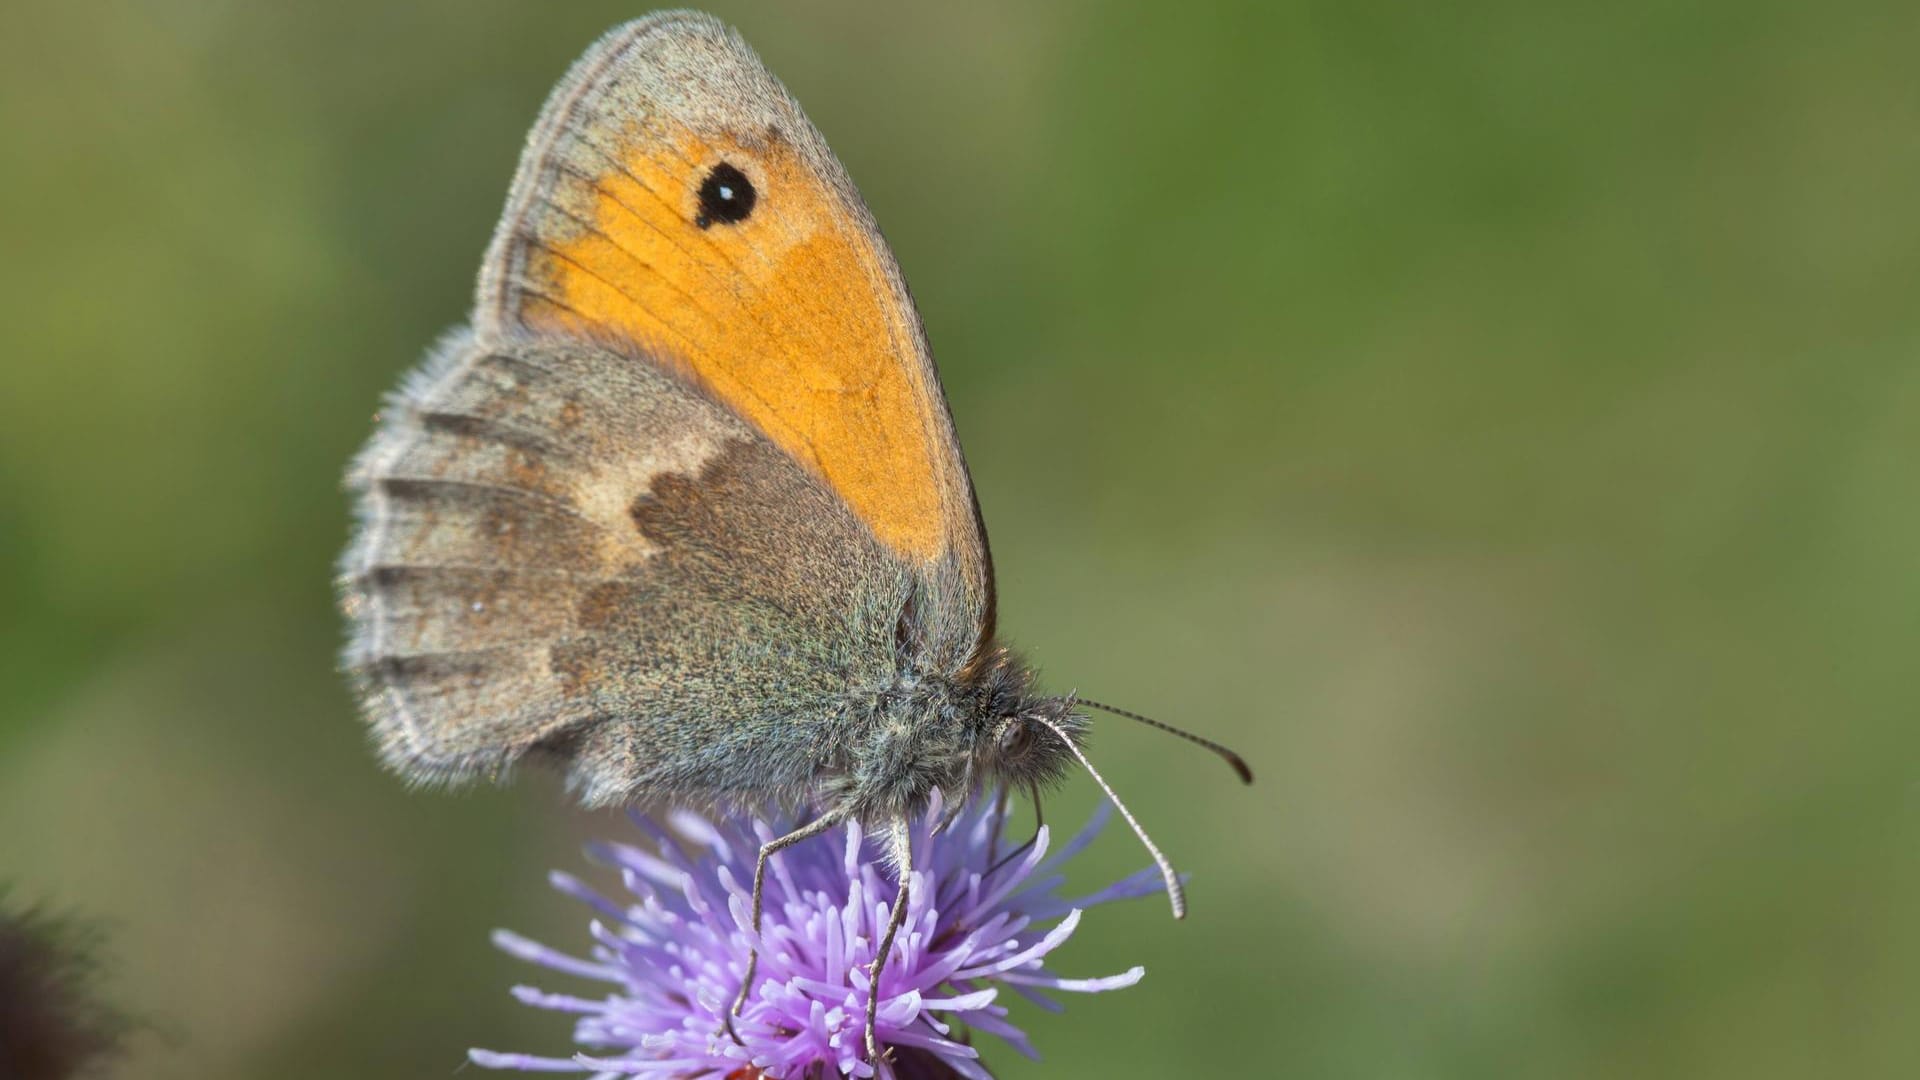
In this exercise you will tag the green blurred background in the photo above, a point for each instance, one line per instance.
(1499, 420)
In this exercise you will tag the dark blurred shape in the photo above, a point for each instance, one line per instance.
(52, 1023)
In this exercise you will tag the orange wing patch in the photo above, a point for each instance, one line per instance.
(791, 315)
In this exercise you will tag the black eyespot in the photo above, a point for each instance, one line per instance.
(726, 196)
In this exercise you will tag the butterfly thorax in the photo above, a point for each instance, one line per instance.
(931, 732)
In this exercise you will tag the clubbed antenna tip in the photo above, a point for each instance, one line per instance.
(1239, 764)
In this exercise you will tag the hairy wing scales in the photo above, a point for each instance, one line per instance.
(649, 588)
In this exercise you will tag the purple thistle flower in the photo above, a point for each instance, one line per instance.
(982, 917)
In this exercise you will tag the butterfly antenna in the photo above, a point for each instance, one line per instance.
(1233, 759)
(1175, 893)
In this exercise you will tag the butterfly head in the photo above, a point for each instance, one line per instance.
(986, 729)
(1025, 749)
(1041, 740)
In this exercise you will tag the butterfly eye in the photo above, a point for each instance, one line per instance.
(1013, 738)
(726, 196)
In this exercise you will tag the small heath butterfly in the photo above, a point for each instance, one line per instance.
(682, 508)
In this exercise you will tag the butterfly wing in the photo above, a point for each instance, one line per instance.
(563, 548)
(779, 299)
(688, 484)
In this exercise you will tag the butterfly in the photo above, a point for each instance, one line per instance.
(682, 508)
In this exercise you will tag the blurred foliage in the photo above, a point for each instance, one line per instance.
(1499, 420)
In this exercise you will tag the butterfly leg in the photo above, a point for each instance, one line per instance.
(1039, 822)
(903, 858)
(999, 822)
(768, 850)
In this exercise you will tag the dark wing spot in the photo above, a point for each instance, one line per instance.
(726, 196)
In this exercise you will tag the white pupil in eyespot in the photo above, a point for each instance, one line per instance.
(726, 192)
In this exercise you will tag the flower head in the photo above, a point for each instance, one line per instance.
(982, 918)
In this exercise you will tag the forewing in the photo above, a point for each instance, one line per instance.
(793, 314)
